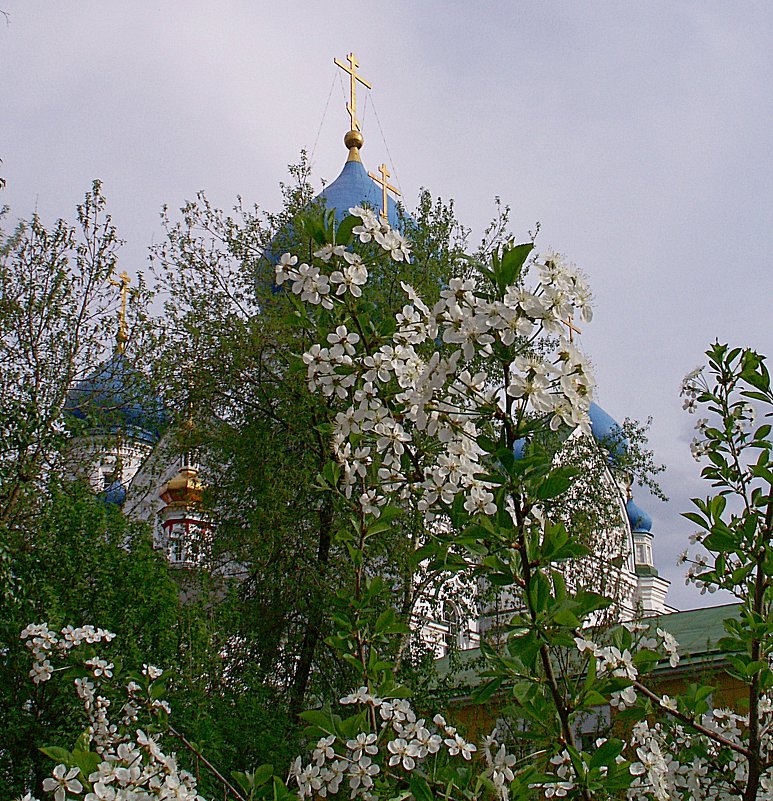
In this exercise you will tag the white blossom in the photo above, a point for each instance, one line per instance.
(63, 782)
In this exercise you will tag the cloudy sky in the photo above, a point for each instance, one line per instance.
(637, 134)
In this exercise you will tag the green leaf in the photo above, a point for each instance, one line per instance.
(556, 483)
(86, 761)
(344, 231)
(281, 793)
(352, 660)
(554, 538)
(320, 719)
(487, 444)
(379, 527)
(331, 473)
(314, 229)
(57, 754)
(606, 753)
(257, 778)
(565, 617)
(595, 698)
(420, 789)
(513, 260)
(760, 381)
(694, 517)
(483, 693)
(389, 623)
(717, 506)
(759, 396)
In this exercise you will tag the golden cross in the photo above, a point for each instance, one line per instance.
(351, 106)
(384, 184)
(122, 329)
(569, 323)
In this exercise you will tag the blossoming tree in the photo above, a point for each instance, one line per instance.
(448, 414)
(433, 418)
(434, 407)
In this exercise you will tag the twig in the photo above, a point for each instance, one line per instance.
(210, 767)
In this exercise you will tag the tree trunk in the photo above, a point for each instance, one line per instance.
(316, 614)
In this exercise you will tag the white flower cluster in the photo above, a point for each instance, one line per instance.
(44, 643)
(375, 228)
(699, 446)
(673, 763)
(133, 766)
(316, 286)
(403, 742)
(693, 386)
(670, 645)
(743, 418)
(398, 396)
(564, 783)
(134, 771)
(500, 765)
(613, 662)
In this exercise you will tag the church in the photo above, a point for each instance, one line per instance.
(121, 448)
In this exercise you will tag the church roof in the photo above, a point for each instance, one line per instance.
(354, 187)
(115, 494)
(696, 630)
(115, 397)
(639, 519)
(607, 431)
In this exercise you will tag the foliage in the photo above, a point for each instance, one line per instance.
(407, 408)
(381, 424)
(731, 750)
(54, 303)
(104, 761)
(85, 562)
(230, 343)
(409, 412)
(65, 555)
(445, 417)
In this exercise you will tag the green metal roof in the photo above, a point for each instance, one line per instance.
(696, 630)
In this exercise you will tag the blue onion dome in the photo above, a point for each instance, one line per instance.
(605, 429)
(116, 398)
(640, 521)
(354, 187)
(114, 495)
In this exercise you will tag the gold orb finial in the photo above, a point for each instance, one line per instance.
(354, 140)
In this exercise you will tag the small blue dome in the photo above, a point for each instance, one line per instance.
(114, 495)
(115, 397)
(640, 521)
(354, 187)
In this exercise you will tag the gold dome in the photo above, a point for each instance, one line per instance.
(184, 489)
